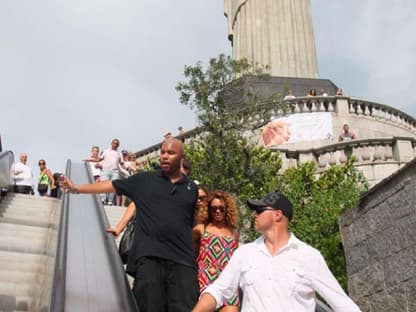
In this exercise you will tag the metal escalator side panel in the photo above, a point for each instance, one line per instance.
(6, 165)
(94, 276)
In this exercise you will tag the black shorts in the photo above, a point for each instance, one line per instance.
(164, 285)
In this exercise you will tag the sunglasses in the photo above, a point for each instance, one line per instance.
(202, 198)
(260, 210)
(40, 164)
(215, 208)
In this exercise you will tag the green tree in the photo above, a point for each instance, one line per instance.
(225, 156)
(318, 202)
(228, 112)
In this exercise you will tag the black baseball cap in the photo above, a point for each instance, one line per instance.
(274, 200)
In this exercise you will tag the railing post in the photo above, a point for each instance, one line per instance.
(402, 150)
(341, 107)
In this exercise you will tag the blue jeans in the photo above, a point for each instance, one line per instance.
(109, 175)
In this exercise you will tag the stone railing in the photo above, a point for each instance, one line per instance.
(340, 106)
(381, 111)
(311, 104)
(371, 155)
(346, 106)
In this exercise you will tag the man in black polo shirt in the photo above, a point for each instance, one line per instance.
(162, 259)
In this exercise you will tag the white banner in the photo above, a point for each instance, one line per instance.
(297, 128)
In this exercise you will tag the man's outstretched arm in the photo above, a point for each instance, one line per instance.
(93, 188)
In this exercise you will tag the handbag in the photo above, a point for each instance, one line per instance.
(126, 240)
(42, 188)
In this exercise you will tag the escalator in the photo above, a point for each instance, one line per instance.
(88, 275)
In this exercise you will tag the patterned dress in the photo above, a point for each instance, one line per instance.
(214, 253)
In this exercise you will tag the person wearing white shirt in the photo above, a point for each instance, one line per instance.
(22, 176)
(110, 162)
(276, 272)
(289, 95)
(93, 162)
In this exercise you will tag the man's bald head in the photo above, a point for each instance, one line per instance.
(171, 156)
(23, 158)
(175, 144)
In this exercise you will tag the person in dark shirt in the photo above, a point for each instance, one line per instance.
(162, 259)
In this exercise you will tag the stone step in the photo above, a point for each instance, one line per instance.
(29, 201)
(17, 257)
(20, 289)
(18, 276)
(26, 218)
(22, 244)
(16, 303)
(29, 210)
(9, 229)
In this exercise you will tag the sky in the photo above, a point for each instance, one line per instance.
(78, 73)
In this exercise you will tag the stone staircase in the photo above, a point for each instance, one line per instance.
(27, 248)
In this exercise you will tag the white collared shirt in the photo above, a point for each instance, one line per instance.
(24, 176)
(286, 281)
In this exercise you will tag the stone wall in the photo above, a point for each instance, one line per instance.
(379, 238)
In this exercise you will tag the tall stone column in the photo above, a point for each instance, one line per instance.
(277, 33)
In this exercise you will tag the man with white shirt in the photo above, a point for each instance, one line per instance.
(110, 162)
(276, 272)
(22, 176)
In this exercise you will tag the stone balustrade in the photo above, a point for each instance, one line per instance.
(386, 136)
(376, 158)
(348, 107)
(308, 104)
(382, 112)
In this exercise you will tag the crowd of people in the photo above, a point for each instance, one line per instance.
(186, 254)
(47, 183)
(110, 164)
(312, 92)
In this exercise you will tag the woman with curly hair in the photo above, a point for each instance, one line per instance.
(216, 238)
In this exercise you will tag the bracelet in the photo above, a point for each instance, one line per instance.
(75, 190)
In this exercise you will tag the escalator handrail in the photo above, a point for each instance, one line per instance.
(6, 165)
(118, 272)
(58, 285)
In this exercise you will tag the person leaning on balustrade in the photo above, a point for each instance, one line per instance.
(346, 134)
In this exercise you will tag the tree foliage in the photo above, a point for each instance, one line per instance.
(318, 201)
(224, 157)
(227, 111)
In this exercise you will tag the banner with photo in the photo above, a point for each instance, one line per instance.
(297, 128)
